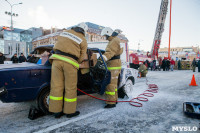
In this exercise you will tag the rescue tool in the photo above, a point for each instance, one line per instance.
(191, 109)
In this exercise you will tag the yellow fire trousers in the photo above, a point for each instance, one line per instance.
(111, 89)
(63, 93)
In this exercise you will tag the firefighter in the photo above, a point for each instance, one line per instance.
(143, 69)
(69, 53)
(112, 58)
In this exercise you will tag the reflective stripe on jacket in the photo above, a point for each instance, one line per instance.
(64, 58)
(114, 68)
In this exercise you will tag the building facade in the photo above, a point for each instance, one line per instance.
(93, 35)
(184, 53)
(17, 41)
(45, 40)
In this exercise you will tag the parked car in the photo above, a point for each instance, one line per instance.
(28, 81)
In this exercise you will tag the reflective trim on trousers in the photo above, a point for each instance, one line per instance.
(109, 93)
(70, 100)
(66, 60)
(114, 68)
(56, 98)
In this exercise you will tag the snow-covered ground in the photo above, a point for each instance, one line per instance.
(158, 115)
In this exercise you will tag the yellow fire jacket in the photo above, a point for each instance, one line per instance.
(113, 49)
(73, 43)
(143, 68)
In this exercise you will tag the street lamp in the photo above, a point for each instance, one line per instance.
(12, 14)
(139, 45)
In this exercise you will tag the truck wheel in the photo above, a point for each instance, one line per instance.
(43, 100)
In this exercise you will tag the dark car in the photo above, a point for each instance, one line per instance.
(29, 81)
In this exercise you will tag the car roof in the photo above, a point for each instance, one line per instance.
(49, 46)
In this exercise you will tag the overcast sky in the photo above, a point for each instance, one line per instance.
(136, 18)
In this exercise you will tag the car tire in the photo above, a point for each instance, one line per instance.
(43, 100)
(126, 89)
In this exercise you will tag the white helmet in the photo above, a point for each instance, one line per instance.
(83, 26)
(106, 31)
(118, 31)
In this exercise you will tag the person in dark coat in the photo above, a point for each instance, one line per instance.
(151, 65)
(2, 58)
(167, 65)
(164, 64)
(194, 65)
(14, 59)
(154, 65)
(22, 58)
(148, 64)
(198, 66)
(29, 56)
(179, 65)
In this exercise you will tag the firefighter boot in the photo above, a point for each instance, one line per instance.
(58, 115)
(110, 106)
(73, 114)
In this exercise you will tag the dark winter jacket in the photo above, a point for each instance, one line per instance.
(22, 59)
(194, 63)
(14, 59)
(167, 63)
(148, 63)
(163, 63)
(179, 65)
(199, 65)
(2, 59)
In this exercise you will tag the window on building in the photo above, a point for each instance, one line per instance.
(2, 46)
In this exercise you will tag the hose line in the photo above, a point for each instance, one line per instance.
(152, 88)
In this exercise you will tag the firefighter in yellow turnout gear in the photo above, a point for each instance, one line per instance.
(69, 53)
(112, 58)
(143, 69)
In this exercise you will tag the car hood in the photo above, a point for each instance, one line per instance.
(19, 65)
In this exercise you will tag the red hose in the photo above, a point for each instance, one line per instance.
(132, 102)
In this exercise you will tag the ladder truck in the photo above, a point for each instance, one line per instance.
(159, 29)
(135, 58)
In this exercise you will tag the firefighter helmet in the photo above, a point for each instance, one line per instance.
(107, 31)
(118, 31)
(83, 26)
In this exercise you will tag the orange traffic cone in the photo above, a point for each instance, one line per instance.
(193, 81)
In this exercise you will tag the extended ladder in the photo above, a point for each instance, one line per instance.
(159, 29)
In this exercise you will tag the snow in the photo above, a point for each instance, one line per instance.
(158, 115)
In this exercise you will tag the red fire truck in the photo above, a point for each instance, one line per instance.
(135, 58)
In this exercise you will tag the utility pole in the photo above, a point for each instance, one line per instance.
(139, 45)
(11, 14)
(170, 29)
